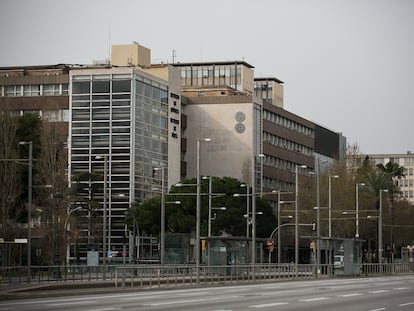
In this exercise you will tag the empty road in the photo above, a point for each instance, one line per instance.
(364, 294)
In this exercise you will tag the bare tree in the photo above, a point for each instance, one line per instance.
(9, 170)
(51, 186)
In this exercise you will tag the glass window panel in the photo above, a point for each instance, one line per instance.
(164, 96)
(121, 86)
(100, 114)
(124, 123)
(81, 87)
(100, 86)
(80, 104)
(121, 96)
(100, 124)
(80, 114)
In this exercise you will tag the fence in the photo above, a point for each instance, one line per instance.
(148, 276)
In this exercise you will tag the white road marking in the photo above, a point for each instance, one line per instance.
(173, 302)
(406, 304)
(401, 288)
(379, 309)
(314, 299)
(379, 291)
(189, 301)
(266, 305)
(350, 295)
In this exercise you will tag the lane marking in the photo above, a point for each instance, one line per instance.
(266, 305)
(173, 302)
(406, 304)
(380, 291)
(401, 288)
(350, 295)
(314, 299)
(379, 309)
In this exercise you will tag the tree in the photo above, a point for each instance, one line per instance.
(181, 218)
(9, 171)
(51, 185)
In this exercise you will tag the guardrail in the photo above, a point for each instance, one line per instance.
(148, 276)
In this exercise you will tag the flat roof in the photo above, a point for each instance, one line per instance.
(269, 79)
(235, 62)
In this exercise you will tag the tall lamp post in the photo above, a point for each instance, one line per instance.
(198, 209)
(105, 197)
(68, 213)
(380, 225)
(162, 246)
(29, 209)
(297, 213)
(254, 212)
(357, 185)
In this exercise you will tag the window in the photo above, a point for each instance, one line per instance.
(31, 90)
(100, 86)
(81, 87)
(121, 86)
(51, 89)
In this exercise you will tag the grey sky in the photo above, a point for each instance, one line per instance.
(347, 64)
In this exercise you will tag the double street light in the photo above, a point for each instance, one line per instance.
(357, 186)
(297, 213)
(29, 209)
(105, 197)
(198, 208)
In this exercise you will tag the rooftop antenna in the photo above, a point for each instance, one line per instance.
(174, 54)
(109, 43)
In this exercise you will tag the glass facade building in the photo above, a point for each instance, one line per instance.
(118, 116)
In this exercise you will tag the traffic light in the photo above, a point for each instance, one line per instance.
(269, 245)
(313, 246)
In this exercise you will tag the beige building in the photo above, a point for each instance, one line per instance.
(406, 183)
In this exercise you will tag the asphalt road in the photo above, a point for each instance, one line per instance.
(365, 294)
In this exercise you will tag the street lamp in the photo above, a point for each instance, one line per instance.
(357, 185)
(330, 203)
(254, 212)
(162, 248)
(69, 212)
(279, 204)
(297, 213)
(29, 209)
(105, 158)
(198, 208)
(247, 205)
(380, 225)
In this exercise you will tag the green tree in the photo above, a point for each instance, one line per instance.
(182, 218)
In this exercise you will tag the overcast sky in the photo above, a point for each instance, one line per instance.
(347, 64)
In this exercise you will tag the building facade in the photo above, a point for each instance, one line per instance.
(120, 130)
(406, 183)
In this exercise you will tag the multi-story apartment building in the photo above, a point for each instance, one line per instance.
(43, 90)
(406, 183)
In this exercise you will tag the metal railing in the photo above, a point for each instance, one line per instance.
(148, 276)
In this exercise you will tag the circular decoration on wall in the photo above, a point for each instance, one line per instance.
(240, 116)
(240, 128)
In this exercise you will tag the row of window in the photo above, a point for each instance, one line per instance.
(405, 182)
(211, 71)
(279, 163)
(271, 183)
(263, 87)
(34, 90)
(287, 144)
(282, 121)
(55, 115)
(145, 87)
